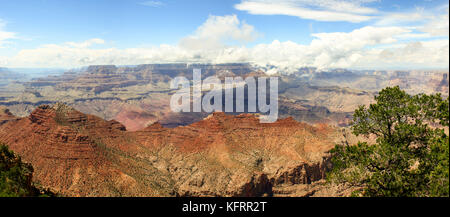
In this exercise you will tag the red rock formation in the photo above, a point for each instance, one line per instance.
(223, 155)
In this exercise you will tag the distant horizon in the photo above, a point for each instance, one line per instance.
(205, 63)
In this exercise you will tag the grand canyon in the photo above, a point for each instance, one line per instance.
(108, 131)
(276, 100)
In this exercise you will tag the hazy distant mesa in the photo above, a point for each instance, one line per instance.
(140, 95)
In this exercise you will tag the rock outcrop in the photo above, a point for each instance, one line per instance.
(223, 155)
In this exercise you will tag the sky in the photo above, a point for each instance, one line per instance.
(284, 34)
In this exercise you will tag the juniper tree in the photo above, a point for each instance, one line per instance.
(411, 153)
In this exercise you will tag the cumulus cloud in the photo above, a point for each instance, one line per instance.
(218, 30)
(375, 47)
(320, 10)
(327, 50)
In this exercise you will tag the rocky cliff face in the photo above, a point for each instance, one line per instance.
(223, 155)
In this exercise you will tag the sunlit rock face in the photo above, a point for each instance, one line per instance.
(75, 154)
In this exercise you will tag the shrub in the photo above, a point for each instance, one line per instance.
(16, 176)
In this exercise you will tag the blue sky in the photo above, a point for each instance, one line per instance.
(284, 33)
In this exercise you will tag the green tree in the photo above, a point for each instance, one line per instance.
(411, 153)
(16, 176)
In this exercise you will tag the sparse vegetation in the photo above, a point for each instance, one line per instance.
(61, 111)
(15, 176)
(411, 153)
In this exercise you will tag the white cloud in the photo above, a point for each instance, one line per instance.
(433, 22)
(438, 25)
(217, 31)
(152, 3)
(414, 36)
(416, 55)
(327, 50)
(86, 43)
(375, 47)
(5, 35)
(321, 10)
(402, 18)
